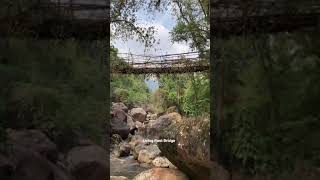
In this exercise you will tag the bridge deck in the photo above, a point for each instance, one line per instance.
(89, 19)
(164, 70)
(236, 17)
(164, 64)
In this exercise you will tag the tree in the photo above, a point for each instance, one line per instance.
(193, 23)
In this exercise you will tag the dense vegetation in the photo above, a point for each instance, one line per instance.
(189, 93)
(271, 100)
(56, 86)
(129, 89)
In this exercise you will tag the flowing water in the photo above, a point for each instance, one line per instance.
(126, 166)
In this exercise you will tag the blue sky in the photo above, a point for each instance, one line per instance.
(163, 22)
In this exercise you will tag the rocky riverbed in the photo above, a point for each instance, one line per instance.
(31, 155)
(148, 146)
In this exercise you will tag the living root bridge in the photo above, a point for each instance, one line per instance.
(162, 70)
(164, 64)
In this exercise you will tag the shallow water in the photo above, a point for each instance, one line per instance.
(126, 166)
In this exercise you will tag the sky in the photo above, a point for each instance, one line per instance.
(164, 23)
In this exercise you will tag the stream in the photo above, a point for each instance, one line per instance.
(126, 166)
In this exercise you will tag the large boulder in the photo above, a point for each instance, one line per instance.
(138, 114)
(119, 106)
(34, 140)
(131, 124)
(119, 127)
(122, 150)
(119, 115)
(161, 162)
(161, 174)
(154, 128)
(30, 165)
(137, 149)
(149, 153)
(191, 150)
(88, 162)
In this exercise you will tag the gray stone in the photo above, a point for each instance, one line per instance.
(34, 140)
(119, 106)
(161, 162)
(123, 150)
(138, 114)
(88, 162)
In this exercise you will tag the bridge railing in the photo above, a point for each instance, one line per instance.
(168, 60)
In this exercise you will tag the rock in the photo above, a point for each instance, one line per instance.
(119, 115)
(88, 162)
(119, 127)
(161, 162)
(148, 154)
(124, 150)
(129, 138)
(34, 140)
(116, 139)
(161, 174)
(85, 141)
(137, 150)
(153, 117)
(138, 114)
(191, 151)
(136, 140)
(119, 106)
(30, 165)
(131, 124)
(145, 156)
(139, 125)
(154, 128)
(137, 144)
(172, 166)
(153, 149)
(118, 178)
(6, 167)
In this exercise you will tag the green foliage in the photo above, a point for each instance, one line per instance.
(124, 19)
(270, 99)
(55, 86)
(130, 90)
(189, 93)
(197, 96)
(193, 23)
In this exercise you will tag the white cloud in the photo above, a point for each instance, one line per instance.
(165, 45)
